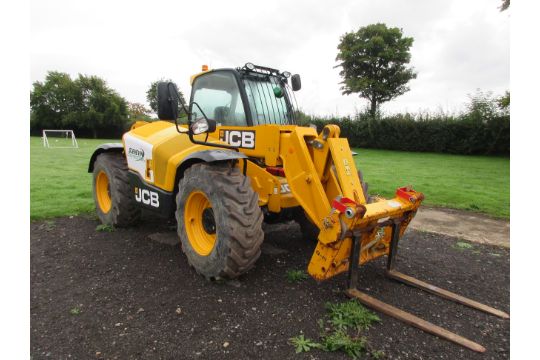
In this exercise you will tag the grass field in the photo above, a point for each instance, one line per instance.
(60, 184)
(477, 183)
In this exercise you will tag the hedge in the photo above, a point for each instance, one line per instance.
(448, 134)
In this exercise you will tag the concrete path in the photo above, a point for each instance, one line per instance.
(463, 224)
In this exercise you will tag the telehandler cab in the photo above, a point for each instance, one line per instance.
(239, 160)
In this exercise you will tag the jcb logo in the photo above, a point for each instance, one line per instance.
(243, 139)
(147, 197)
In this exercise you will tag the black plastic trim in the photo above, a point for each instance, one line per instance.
(114, 147)
(166, 199)
(215, 155)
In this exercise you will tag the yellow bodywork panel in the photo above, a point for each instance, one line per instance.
(344, 165)
(303, 180)
(170, 148)
(265, 140)
(332, 259)
(193, 77)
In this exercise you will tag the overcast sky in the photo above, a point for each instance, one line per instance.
(459, 46)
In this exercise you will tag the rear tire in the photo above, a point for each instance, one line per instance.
(219, 220)
(309, 230)
(113, 195)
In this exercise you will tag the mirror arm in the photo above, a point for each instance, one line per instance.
(175, 91)
(192, 139)
(190, 134)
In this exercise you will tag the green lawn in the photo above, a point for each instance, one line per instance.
(60, 184)
(477, 183)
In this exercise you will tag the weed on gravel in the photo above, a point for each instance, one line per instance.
(49, 225)
(301, 344)
(75, 311)
(461, 245)
(105, 228)
(354, 346)
(350, 314)
(341, 331)
(295, 276)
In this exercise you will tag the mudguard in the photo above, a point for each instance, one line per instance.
(208, 156)
(215, 155)
(115, 147)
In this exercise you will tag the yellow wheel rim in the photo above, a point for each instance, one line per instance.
(103, 193)
(200, 223)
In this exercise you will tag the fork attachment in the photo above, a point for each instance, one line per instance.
(409, 280)
(401, 315)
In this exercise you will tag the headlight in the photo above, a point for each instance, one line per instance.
(199, 126)
(286, 74)
(250, 66)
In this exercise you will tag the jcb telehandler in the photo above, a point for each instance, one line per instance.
(239, 160)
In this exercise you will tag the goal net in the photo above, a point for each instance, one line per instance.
(59, 139)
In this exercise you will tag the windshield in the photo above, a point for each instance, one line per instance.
(269, 99)
(218, 96)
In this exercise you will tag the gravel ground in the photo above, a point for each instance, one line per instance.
(129, 294)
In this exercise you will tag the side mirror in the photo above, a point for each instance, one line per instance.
(296, 82)
(202, 125)
(167, 96)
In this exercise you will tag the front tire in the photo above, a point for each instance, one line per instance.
(219, 220)
(113, 195)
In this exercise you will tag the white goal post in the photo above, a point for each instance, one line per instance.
(59, 139)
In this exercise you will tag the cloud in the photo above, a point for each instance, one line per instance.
(459, 46)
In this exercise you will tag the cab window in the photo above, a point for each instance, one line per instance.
(218, 96)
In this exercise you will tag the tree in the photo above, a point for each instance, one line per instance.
(504, 102)
(138, 111)
(102, 108)
(86, 104)
(373, 61)
(484, 106)
(151, 96)
(52, 100)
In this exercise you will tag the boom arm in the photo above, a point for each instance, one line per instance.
(323, 178)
